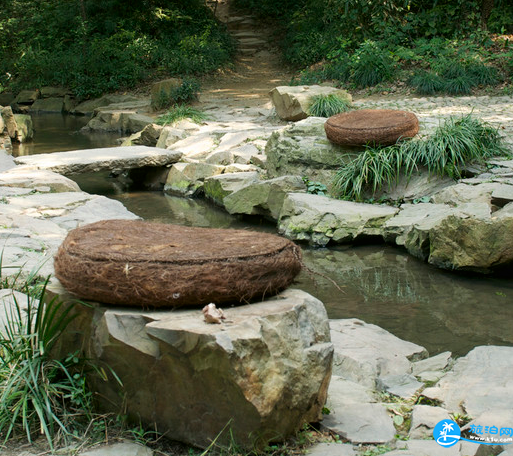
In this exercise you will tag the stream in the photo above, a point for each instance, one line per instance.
(381, 284)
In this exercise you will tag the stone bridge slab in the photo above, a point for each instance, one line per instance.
(93, 160)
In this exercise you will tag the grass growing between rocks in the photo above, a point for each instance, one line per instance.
(179, 112)
(454, 144)
(328, 105)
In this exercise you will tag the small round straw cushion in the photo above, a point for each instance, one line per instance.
(144, 264)
(371, 126)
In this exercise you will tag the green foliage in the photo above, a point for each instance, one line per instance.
(328, 105)
(39, 394)
(445, 153)
(187, 91)
(371, 65)
(426, 82)
(179, 112)
(315, 188)
(107, 45)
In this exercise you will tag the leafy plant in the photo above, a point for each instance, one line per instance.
(328, 105)
(184, 93)
(39, 394)
(315, 188)
(426, 82)
(371, 64)
(179, 112)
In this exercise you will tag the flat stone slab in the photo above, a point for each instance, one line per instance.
(331, 449)
(479, 382)
(120, 449)
(108, 158)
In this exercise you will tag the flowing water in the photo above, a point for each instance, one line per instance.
(380, 284)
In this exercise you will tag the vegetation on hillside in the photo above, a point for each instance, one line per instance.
(93, 46)
(446, 47)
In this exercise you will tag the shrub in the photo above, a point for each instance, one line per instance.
(328, 105)
(187, 91)
(426, 82)
(371, 65)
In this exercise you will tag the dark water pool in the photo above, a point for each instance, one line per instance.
(381, 284)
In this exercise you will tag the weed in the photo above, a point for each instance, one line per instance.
(315, 188)
(328, 105)
(180, 112)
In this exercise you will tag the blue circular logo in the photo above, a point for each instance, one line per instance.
(447, 433)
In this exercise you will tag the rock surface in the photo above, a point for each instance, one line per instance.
(218, 187)
(320, 220)
(292, 102)
(120, 449)
(121, 120)
(265, 371)
(93, 160)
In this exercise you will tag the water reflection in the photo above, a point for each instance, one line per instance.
(59, 132)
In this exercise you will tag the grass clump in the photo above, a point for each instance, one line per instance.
(186, 92)
(445, 153)
(179, 112)
(328, 105)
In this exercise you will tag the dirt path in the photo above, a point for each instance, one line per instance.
(257, 69)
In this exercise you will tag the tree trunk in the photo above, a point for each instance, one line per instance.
(486, 10)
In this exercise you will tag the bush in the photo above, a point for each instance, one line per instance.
(426, 82)
(328, 105)
(445, 153)
(371, 65)
(186, 92)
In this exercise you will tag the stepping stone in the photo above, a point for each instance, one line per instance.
(371, 126)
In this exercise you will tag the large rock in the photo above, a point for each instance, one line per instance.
(125, 121)
(93, 160)
(187, 179)
(292, 102)
(262, 373)
(88, 107)
(218, 187)
(40, 180)
(53, 104)
(364, 352)
(9, 121)
(302, 149)
(54, 92)
(264, 197)
(465, 193)
(27, 97)
(319, 219)
(24, 127)
(162, 92)
(148, 136)
(168, 136)
(478, 383)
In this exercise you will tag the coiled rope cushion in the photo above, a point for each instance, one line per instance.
(144, 264)
(371, 126)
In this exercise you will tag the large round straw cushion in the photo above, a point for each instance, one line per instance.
(136, 263)
(371, 126)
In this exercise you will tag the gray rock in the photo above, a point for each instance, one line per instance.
(9, 121)
(27, 97)
(148, 136)
(466, 193)
(502, 195)
(88, 107)
(245, 154)
(263, 197)
(432, 364)
(424, 418)
(224, 157)
(478, 382)
(216, 188)
(162, 92)
(363, 352)
(27, 177)
(93, 160)
(169, 136)
(401, 385)
(330, 449)
(319, 219)
(54, 92)
(48, 105)
(24, 128)
(342, 392)
(120, 449)
(302, 149)
(126, 121)
(426, 448)
(6, 161)
(265, 370)
(292, 102)
(188, 178)
(195, 146)
(361, 423)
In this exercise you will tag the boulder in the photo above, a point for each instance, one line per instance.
(365, 352)
(302, 149)
(224, 157)
(26, 177)
(54, 92)
(466, 193)
(27, 97)
(187, 179)
(121, 121)
(9, 121)
(319, 219)
(424, 418)
(88, 107)
(292, 102)
(217, 187)
(148, 136)
(162, 91)
(24, 127)
(195, 146)
(48, 105)
(259, 376)
(263, 197)
(169, 136)
(478, 382)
